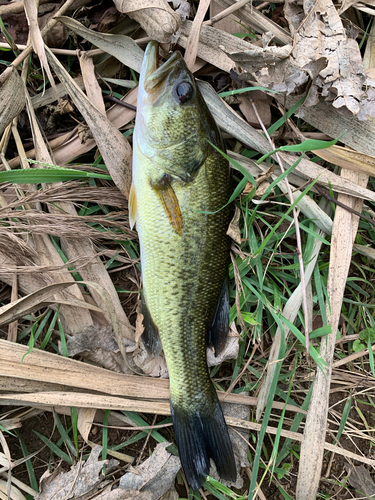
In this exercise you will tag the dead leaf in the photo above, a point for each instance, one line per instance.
(93, 91)
(12, 99)
(156, 17)
(14, 493)
(85, 419)
(99, 346)
(360, 480)
(193, 38)
(156, 474)
(234, 227)
(139, 327)
(320, 36)
(122, 47)
(348, 158)
(121, 494)
(367, 111)
(258, 22)
(31, 11)
(113, 146)
(153, 366)
(263, 107)
(229, 352)
(31, 302)
(82, 478)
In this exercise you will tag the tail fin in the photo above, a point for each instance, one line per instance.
(201, 436)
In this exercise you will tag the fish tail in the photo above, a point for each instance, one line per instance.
(201, 434)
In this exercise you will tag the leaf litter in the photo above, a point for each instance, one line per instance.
(310, 52)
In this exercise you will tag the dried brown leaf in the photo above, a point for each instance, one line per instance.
(12, 99)
(156, 474)
(359, 135)
(61, 371)
(320, 35)
(122, 47)
(85, 420)
(234, 227)
(82, 478)
(99, 346)
(361, 481)
(93, 91)
(113, 146)
(31, 11)
(259, 22)
(348, 158)
(32, 302)
(193, 38)
(156, 17)
(121, 494)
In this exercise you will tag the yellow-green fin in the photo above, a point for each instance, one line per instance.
(132, 206)
(169, 201)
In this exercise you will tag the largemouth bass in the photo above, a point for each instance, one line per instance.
(180, 183)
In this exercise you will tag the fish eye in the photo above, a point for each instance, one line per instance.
(184, 91)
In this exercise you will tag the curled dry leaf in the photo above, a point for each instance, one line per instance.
(85, 420)
(234, 227)
(156, 474)
(156, 17)
(155, 366)
(12, 99)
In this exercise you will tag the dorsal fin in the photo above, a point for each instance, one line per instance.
(132, 206)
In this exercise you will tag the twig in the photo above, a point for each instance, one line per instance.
(12, 328)
(146, 441)
(142, 428)
(120, 102)
(337, 202)
(226, 12)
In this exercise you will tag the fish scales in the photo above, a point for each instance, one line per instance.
(180, 186)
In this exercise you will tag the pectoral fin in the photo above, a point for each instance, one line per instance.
(132, 206)
(169, 201)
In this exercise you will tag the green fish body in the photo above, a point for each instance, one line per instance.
(179, 180)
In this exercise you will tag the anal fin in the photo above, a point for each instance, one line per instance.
(218, 329)
(169, 201)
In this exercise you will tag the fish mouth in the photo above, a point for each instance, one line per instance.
(153, 74)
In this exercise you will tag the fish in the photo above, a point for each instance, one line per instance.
(179, 203)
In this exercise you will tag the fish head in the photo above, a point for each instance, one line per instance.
(173, 124)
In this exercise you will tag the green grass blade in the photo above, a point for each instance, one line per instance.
(43, 175)
(55, 449)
